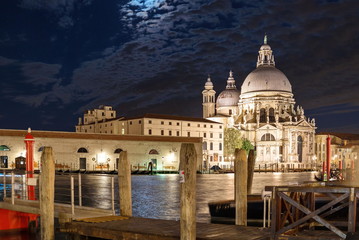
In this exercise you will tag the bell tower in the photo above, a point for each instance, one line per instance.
(208, 101)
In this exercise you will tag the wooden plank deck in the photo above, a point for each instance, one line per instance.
(33, 206)
(157, 229)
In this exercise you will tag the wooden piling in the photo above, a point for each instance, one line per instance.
(188, 159)
(251, 163)
(47, 191)
(240, 183)
(124, 185)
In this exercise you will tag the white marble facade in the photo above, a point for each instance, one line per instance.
(265, 113)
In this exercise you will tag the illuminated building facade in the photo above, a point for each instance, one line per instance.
(344, 149)
(95, 152)
(159, 125)
(264, 112)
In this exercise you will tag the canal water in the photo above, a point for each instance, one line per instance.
(158, 196)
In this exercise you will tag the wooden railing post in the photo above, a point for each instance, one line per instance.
(352, 210)
(240, 189)
(251, 163)
(124, 184)
(47, 192)
(188, 159)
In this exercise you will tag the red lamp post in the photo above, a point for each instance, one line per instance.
(328, 156)
(29, 142)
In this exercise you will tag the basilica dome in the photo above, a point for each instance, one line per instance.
(228, 97)
(266, 78)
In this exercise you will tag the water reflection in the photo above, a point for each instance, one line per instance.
(158, 196)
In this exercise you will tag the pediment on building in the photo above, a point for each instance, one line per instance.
(303, 123)
(267, 127)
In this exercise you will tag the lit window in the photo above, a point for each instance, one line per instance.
(123, 131)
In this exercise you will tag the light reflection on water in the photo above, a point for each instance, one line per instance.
(158, 196)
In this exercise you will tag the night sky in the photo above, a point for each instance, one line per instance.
(59, 58)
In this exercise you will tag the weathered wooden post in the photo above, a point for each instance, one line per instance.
(251, 162)
(188, 160)
(124, 185)
(240, 183)
(47, 191)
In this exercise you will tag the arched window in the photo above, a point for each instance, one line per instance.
(204, 146)
(267, 137)
(82, 150)
(300, 148)
(118, 150)
(4, 148)
(271, 115)
(262, 115)
(153, 151)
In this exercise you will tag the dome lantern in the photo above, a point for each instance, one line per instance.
(265, 57)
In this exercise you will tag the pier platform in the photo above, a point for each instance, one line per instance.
(158, 229)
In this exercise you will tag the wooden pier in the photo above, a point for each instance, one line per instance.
(156, 229)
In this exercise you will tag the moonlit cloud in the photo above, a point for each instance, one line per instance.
(155, 54)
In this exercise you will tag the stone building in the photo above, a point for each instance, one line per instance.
(103, 121)
(90, 151)
(265, 113)
(344, 148)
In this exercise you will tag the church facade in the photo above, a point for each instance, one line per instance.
(264, 112)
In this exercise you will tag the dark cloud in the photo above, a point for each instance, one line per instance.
(154, 56)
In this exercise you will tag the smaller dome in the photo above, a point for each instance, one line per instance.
(228, 97)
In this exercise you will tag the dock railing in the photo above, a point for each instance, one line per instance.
(298, 207)
(73, 191)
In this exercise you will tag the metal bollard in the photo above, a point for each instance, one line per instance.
(72, 196)
(12, 188)
(113, 195)
(80, 190)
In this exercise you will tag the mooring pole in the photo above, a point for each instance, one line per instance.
(240, 189)
(47, 191)
(188, 160)
(124, 185)
(251, 170)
